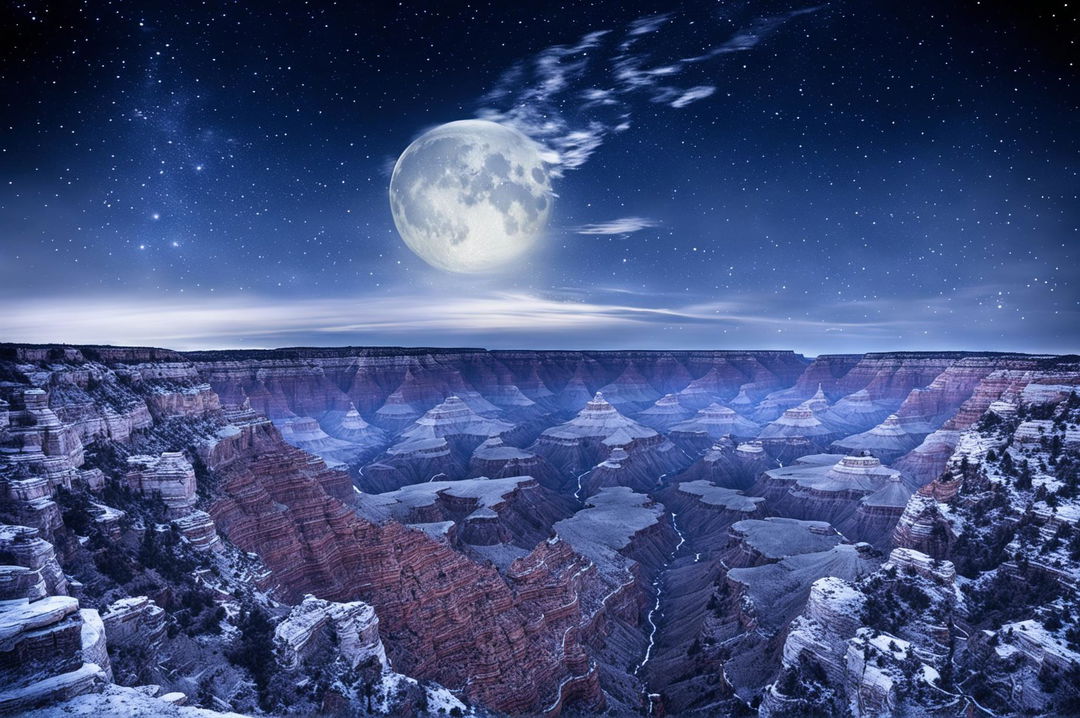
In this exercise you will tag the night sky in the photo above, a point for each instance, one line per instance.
(840, 177)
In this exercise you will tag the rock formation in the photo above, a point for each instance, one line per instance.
(797, 432)
(666, 412)
(888, 441)
(170, 478)
(498, 460)
(825, 487)
(713, 422)
(488, 513)
(855, 412)
(588, 439)
(209, 523)
(630, 391)
(729, 465)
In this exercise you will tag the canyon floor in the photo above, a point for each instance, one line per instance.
(391, 531)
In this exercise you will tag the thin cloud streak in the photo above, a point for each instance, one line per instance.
(622, 225)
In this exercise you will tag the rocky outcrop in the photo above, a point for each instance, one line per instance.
(50, 649)
(714, 422)
(765, 599)
(818, 637)
(754, 542)
(825, 487)
(342, 639)
(833, 662)
(705, 511)
(620, 520)
(888, 441)
(422, 388)
(23, 546)
(306, 433)
(437, 445)
(926, 461)
(455, 420)
(487, 512)
(412, 462)
(1016, 661)
(776, 592)
(729, 465)
(351, 628)
(588, 439)
(135, 621)
(926, 523)
(878, 513)
(496, 459)
(796, 433)
(276, 505)
(620, 468)
(666, 412)
(170, 478)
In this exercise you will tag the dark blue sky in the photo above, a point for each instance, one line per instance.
(865, 176)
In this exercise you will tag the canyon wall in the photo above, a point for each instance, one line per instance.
(529, 532)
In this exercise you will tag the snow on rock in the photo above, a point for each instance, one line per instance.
(797, 421)
(453, 417)
(597, 430)
(122, 702)
(773, 538)
(169, 475)
(888, 441)
(351, 632)
(598, 420)
(821, 632)
(27, 549)
(355, 626)
(776, 592)
(50, 651)
(666, 412)
(728, 499)
(134, 620)
(711, 423)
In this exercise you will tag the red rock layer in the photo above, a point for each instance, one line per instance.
(512, 644)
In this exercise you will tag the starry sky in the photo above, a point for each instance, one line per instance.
(833, 177)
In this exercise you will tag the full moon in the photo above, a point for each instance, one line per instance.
(470, 196)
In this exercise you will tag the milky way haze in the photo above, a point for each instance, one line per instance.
(835, 177)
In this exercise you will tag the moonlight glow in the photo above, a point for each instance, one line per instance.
(470, 196)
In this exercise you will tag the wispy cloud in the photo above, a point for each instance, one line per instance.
(570, 98)
(479, 317)
(692, 95)
(622, 225)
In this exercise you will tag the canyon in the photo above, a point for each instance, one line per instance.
(411, 531)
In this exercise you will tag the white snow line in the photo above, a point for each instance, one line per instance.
(580, 488)
(558, 693)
